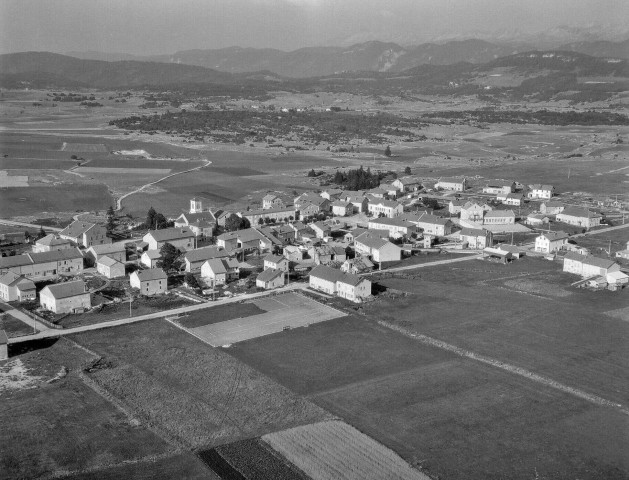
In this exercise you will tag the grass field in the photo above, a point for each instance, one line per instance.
(220, 313)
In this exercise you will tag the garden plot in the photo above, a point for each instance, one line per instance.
(336, 450)
(84, 147)
(281, 312)
(13, 180)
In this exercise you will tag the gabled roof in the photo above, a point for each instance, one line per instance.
(553, 203)
(432, 219)
(221, 265)
(261, 211)
(167, 234)
(371, 241)
(106, 248)
(451, 180)
(515, 195)
(394, 222)
(56, 255)
(67, 289)
(326, 273)
(574, 256)
(205, 253)
(151, 274)
(15, 261)
(108, 261)
(153, 254)
(269, 274)
(499, 214)
(552, 236)
(191, 218)
(579, 212)
(77, 228)
(386, 203)
(598, 262)
(473, 232)
(537, 186)
(52, 240)
(10, 279)
(321, 226)
(274, 258)
(340, 203)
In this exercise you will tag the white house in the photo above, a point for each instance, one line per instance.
(513, 199)
(474, 212)
(378, 249)
(321, 229)
(247, 239)
(14, 287)
(117, 251)
(536, 219)
(275, 200)
(499, 217)
(85, 233)
(67, 297)
(276, 262)
(452, 184)
(342, 209)
(150, 282)
(541, 191)
(270, 279)
(395, 226)
(331, 194)
(150, 258)
(43, 265)
(334, 282)
(552, 207)
(588, 266)
(276, 214)
(220, 270)
(194, 259)
(389, 208)
(180, 238)
(357, 265)
(407, 184)
(476, 238)
(433, 225)
(455, 206)
(51, 242)
(550, 242)
(499, 188)
(579, 217)
(110, 267)
(201, 224)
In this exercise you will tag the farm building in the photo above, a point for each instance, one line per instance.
(220, 270)
(536, 219)
(513, 199)
(201, 224)
(579, 217)
(15, 287)
(85, 234)
(39, 266)
(588, 266)
(499, 217)
(67, 297)
(452, 184)
(117, 251)
(357, 265)
(552, 207)
(334, 282)
(377, 249)
(342, 209)
(550, 242)
(388, 208)
(474, 212)
(270, 279)
(110, 267)
(276, 262)
(150, 282)
(150, 258)
(541, 191)
(51, 242)
(396, 227)
(476, 238)
(501, 188)
(617, 278)
(194, 259)
(407, 184)
(276, 214)
(433, 225)
(180, 238)
(497, 253)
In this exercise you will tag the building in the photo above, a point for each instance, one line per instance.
(541, 191)
(579, 217)
(273, 214)
(513, 199)
(247, 239)
(51, 242)
(181, 238)
(276, 200)
(396, 227)
(85, 234)
(476, 238)
(153, 281)
(377, 249)
(270, 279)
(66, 297)
(390, 190)
(117, 251)
(276, 262)
(220, 270)
(499, 217)
(623, 254)
(293, 253)
(359, 201)
(150, 258)
(474, 212)
(321, 203)
(588, 265)
(377, 192)
(342, 209)
(194, 259)
(551, 207)
(44, 265)
(433, 225)
(15, 287)
(199, 205)
(334, 282)
(500, 188)
(201, 224)
(452, 184)
(407, 184)
(110, 267)
(455, 206)
(321, 229)
(551, 242)
(536, 219)
(331, 194)
(388, 208)
(357, 265)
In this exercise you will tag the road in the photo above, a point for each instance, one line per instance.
(425, 265)
(530, 246)
(31, 225)
(137, 190)
(31, 322)
(50, 333)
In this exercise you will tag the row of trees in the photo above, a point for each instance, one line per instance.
(358, 179)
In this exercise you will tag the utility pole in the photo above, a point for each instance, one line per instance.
(130, 298)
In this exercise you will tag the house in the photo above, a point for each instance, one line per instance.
(85, 234)
(282, 232)
(541, 191)
(110, 267)
(293, 253)
(15, 287)
(342, 209)
(588, 265)
(617, 278)
(194, 259)
(43, 265)
(476, 238)
(270, 279)
(51, 242)
(499, 217)
(514, 199)
(552, 207)
(334, 282)
(452, 184)
(359, 202)
(220, 270)
(321, 229)
(276, 262)
(407, 184)
(455, 206)
(201, 224)
(434, 225)
(390, 190)
(331, 194)
(377, 249)
(117, 251)
(309, 210)
(274, 214)
(377, 192)
(150, 258)
(357, 265)
(550, 242)
(474, 212)
(623, 254)
(497, 253)
(150, 282)
(396, 227)
(536, 219)
(247, 239)
(388, 208)
(499, 188)
(66, 297)
(276, 200)
(579, 217)
(181, 238)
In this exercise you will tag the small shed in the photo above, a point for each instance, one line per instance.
(270, 278)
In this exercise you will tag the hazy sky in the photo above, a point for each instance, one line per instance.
(166, 26)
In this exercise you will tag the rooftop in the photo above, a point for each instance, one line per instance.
(269, 274)
(77, 228)
(205, 253)
(67, 289)
(151, 274)
(52, 240)
(166, 234)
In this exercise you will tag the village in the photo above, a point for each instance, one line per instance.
(331, 241)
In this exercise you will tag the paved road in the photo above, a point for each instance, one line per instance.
(6, 308)
(32, 225)
(602, 230)
(50, 333)
(425, 265)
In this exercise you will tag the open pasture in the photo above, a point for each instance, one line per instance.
(84, 147)
(278, 313)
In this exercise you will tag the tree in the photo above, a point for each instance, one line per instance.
(407, 171)
(387, 151)
(150, 218)
(232, 223)
(41, 233)
(260, 221)
(191, 280)
(312, 173)
(169, 260)
(111, 219)
(430, 202)
(27, 236)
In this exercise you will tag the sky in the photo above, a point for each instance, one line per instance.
(146, 27)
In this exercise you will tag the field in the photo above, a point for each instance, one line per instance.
(454, 417)
(277, 313)
(336, 450)
(220, 313)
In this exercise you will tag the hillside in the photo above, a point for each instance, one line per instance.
(600, 48)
